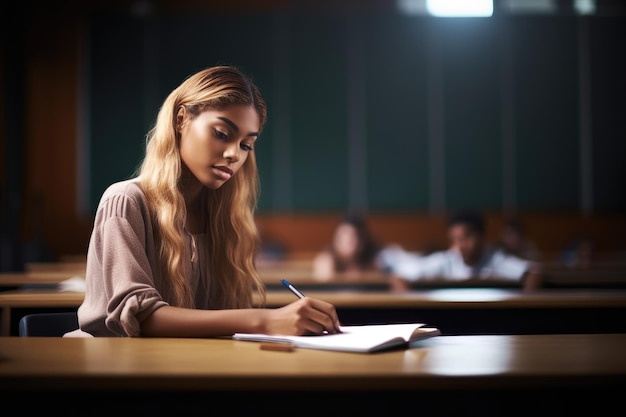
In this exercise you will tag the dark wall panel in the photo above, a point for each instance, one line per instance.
(608, 117)
(471, 97)
(547, 113)
(320, 90)
(117, 130)
(397, 113)
(319, 108)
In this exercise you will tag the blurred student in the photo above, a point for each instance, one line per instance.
(513, 240)
(172, 250)
(580, 253)
(468, 256)
(351, 252)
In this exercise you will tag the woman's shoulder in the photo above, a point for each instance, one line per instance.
(122, 196)
(130, 187)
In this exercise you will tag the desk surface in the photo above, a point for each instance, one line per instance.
(460, 298)
(442, 298)
(40, 298)
(596, 277)
(34, 278)
(444, 363)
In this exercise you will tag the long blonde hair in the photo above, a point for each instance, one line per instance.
(231, 232)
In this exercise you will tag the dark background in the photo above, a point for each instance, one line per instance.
(353, 93)
(369, 108)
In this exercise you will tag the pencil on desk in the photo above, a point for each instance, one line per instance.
(281, 347)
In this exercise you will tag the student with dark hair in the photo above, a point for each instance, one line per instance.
(469, 256)
(352, 251)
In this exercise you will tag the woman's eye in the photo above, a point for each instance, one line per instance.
(220, 134)
(246, 147)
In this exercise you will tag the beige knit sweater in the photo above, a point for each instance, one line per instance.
(123, 277)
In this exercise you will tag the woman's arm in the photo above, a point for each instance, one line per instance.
(304, 316)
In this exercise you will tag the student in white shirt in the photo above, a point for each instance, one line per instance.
(469, 256)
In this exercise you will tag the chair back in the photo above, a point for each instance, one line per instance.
(54, 324)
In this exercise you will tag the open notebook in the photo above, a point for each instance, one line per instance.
(367, 338)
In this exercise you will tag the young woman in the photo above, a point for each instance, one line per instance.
(172, 249)
(351, 252)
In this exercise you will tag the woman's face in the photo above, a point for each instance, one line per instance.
(216, 143)
(346, 241)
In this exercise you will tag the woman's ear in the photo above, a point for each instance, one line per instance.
(180, 118)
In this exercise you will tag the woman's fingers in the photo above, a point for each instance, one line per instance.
(321, 314)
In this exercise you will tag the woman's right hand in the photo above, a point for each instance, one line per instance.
(306, 316)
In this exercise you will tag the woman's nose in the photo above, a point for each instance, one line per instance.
(232, 152)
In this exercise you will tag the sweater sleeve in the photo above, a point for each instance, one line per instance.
(121, 286)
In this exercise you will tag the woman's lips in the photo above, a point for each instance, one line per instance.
(223, 172)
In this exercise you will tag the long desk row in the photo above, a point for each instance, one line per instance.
(600, 275)
(487, 375)
(455, 311)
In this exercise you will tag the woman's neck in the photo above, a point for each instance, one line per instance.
(195, 202)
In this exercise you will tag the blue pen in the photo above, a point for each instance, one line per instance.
(292, 288)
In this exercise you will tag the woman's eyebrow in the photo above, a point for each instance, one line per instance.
(234, 126)
(230, 123)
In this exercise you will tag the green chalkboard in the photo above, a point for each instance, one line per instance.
(381, 111)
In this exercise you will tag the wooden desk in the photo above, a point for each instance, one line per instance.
(34, 299)
(454, 311)
(457, 298)
(372, 281)
(553, 278)
(34, 278)
(491, 372)
(595, 277)
(74, 267)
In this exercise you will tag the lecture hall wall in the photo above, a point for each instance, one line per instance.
(402, 117)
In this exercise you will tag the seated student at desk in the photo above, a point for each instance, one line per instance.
(352, 251)
(172, 250)
(513, 240)
(469, 256)
(580, 253)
